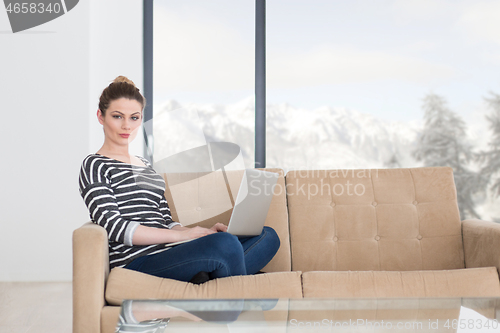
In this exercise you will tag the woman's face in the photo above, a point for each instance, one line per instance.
(121, 121)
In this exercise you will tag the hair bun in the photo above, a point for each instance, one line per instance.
(122, 78)
(121, 87)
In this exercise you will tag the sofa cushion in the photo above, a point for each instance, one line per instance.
(109, 318)
(471, 282)
(380, 220)
(127, 284)
(203, 199)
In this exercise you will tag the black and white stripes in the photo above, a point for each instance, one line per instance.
(120, 197)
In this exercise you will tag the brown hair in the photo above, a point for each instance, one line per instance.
(121, 87)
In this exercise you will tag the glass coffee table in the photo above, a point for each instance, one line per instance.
(311, 315)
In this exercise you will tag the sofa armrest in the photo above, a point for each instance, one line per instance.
(90, 272)
(481, 243)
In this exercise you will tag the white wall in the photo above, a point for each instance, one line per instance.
(50, 81)
(115, 49)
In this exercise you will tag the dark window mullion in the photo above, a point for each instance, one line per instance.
(260, 83)
(148, 77)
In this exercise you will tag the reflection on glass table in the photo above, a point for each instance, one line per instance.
(311, 315)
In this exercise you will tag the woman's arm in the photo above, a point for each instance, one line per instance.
(165, 211)
(216, 227)
(146, 235)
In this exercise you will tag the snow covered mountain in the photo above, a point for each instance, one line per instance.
(326, 138)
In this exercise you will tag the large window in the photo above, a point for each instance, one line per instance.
(383, 84)
(203, 109)
(204, 64)
(350, 84)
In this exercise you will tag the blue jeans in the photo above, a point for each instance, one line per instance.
(220, 254)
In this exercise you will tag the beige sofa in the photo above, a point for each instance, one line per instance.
(344, 234)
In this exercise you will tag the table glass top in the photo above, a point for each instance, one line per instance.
(312, 315)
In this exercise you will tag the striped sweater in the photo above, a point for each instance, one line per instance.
(120, 197)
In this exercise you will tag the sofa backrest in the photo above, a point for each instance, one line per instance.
(388, 219)
(204, 199)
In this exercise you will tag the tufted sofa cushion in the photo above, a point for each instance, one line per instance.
(380, 220)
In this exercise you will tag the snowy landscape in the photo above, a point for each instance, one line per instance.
(323, 138)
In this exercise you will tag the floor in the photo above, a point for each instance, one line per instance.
(28, 307)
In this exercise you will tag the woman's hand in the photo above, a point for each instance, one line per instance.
(195, 232)
(219, 227)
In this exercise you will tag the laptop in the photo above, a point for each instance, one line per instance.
(251, 205)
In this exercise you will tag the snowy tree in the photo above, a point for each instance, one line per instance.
(443, 142)
(393, 162)
(491, 158)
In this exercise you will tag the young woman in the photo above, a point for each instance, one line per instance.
(126, 196)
